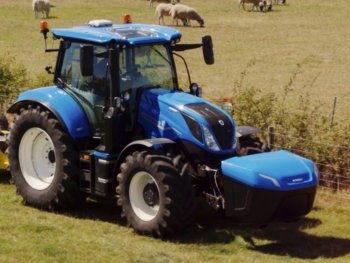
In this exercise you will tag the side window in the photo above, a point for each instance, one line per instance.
(101, 74)
(70, 72)
(90, 91)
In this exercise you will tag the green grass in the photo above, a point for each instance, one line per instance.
(306, 36)
(96, 233)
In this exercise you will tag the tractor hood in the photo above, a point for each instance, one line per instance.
(179, 115)
(278, 170)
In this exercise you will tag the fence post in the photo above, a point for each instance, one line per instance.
(333, 111)
(271, 137)
(337, 176)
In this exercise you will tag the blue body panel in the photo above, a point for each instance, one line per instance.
(278, 170)
(161, 113)
(121, 33)
(63, 105)
(105, 156)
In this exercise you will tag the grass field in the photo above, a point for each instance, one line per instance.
(306, 38)
(96, 233)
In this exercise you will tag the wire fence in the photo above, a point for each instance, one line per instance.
(333, 178)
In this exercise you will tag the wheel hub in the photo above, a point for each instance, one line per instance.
(144, 196)
(51, 156)
(37, 159)
(150, 195)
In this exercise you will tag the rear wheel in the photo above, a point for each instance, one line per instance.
(43, 161)
(156, 200)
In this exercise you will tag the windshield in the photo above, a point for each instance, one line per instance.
(146, 66)
(139, 66)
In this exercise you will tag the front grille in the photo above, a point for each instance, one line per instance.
(220, 124)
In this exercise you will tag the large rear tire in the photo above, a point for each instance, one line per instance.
(43, 161)
(156, 200)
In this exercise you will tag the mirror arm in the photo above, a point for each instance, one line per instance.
(183, 47)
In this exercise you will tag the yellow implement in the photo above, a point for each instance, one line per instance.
(4, 162)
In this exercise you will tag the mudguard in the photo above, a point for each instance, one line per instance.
(61, 104)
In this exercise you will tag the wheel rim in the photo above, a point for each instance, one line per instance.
(37, 158)
(144, 196)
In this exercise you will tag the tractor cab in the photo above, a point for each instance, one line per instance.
(105, 67)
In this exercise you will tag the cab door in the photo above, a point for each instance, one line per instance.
(89, 91)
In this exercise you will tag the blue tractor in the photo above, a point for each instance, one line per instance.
(117, 123)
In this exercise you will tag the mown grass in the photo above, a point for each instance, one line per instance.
(96, 233)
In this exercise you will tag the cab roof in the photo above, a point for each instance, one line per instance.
(103, 31)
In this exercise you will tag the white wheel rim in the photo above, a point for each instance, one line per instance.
(137, 186)
(37, 158)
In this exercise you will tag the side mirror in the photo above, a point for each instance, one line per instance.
(208, 53)
(86, 60)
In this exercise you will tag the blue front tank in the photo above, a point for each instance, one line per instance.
(278, 170)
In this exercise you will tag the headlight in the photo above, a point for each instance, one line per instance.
(194, 127)
(209, 140)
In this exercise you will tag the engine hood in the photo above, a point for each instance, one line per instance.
(177, 99)
(189, 117)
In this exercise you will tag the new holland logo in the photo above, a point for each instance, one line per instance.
(221, 122)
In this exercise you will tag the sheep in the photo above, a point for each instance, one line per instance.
(261, 5)
(163, 1)
(163, 10)
(42, 6)
(268, 5)
(185, 14)
(256, 3)
(280, 2)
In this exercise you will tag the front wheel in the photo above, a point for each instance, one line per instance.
(43, 161)
(156, 200)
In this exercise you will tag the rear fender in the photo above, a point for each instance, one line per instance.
(60, 104)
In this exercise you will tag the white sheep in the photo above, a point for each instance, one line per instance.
(42, 6)
(185, 14)
(261, 5)
(257, 4)
(269, 5)
(163, 10)
(163, 1)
